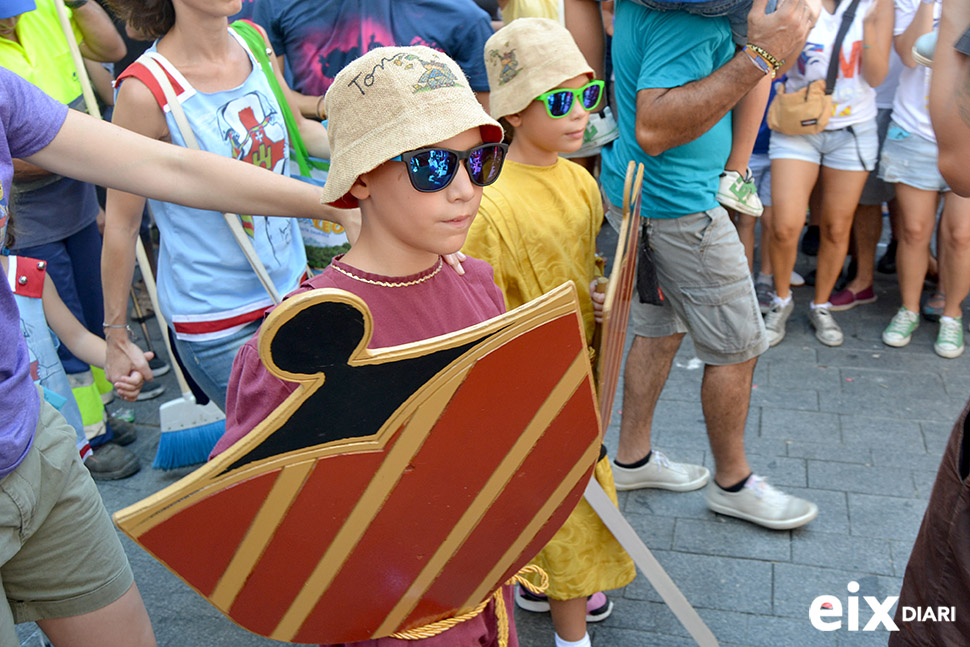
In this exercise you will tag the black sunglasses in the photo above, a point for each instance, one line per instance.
(432, 169)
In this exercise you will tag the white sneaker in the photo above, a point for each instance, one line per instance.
(739, 193)
(662, 474)
(775, 321)
(826, 330)
(797, 280)
(762, 504)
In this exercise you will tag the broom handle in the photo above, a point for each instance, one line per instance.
(146, 274)
(82, 74)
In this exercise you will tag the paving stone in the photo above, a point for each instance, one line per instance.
(727, 626)
(803, 375)
(880, 431)
(899, 552)
(825, 475)
(936, 435)
(769, 396)
(810, 426)
(839, 453)
(769, 631)
(861, 639)
(795, 586)
(884, 516)
(912, 384)
(923, 481)
(842, 552)
(780, 471)
(915, 460)
(723, 583)
(664, 503)
(731, 537)
(833, 515)
(656, 531)
(608, 636)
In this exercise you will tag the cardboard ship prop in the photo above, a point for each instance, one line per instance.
(417, 478)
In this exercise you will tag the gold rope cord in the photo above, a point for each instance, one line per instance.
(501, 614)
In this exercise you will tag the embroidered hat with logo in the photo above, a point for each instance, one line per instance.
(392, 100)
(527, 57)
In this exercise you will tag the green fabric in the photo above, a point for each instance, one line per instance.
(298, 151)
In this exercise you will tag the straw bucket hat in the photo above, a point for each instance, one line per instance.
(392, 100)
(527, 57)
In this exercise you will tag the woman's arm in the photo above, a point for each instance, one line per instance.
(877, 39)
(922, 24)
(137, 111)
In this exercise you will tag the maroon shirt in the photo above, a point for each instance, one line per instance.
(436, 301)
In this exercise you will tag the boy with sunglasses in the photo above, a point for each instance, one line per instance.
(412, 147)
(537, 226)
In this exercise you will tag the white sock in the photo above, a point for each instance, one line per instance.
(815, 306)
(778, 301)
(945, 318)
(764, 278)
(583, 642)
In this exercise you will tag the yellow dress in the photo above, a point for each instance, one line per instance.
(537, 227)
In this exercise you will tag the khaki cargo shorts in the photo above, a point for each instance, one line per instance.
(60, 556)
(703, 272)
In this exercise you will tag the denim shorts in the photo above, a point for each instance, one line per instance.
(736, 11)
(911, 159)
(707, 287)
(210, 362)
(876, 190)
(760, 166)
(60, 555)
(846, 149)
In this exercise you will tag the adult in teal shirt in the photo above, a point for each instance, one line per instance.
(677, 78)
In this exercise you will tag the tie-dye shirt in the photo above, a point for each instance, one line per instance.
(319, 37)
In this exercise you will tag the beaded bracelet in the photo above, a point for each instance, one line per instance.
(760, 62)
(763, 53)
(320, 112)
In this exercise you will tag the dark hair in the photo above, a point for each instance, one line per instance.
(153, 18)
(508, 129)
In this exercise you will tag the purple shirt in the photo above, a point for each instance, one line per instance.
(29, 119)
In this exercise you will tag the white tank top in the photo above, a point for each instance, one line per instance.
(911, 108)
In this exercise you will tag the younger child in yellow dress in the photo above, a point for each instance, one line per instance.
(537, 226)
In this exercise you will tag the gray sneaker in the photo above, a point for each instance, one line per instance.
(826, 330)
(762, 504)
(766, 295)
(775, 321)
(662, 474)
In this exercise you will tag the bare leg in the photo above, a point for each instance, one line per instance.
(123, 623)
(866, 230)
(839, 201)
(791, 186)
(766, 220)
(917, 222)
(746, 122)
(955, 259)
(569, 618)
(725, 396)
(647, 368)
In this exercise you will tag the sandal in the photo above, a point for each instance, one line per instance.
(933, 306)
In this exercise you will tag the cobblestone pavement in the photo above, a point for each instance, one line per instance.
(858, 429)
